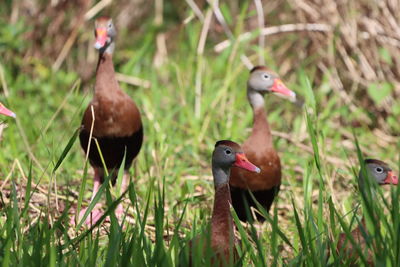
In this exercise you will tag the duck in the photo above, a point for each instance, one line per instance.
(222, 241)
(382, 174)
(5, 111)
(259, 149)
(116, 121)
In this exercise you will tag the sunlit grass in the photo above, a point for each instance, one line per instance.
(170, 199)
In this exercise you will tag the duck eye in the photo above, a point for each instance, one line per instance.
(265, 76)
(379, 170)
(228, 152)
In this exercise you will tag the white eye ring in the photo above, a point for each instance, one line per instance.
(379, 170)
(228, 152)
(266, 76)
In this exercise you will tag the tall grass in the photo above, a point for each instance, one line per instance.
(45, 179)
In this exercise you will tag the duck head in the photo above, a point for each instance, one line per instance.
(228, 154)
(7, 112)
(105, 34)
(262, 81)
(380, 172)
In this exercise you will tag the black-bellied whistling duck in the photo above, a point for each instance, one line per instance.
(5, 111)
(226, 155)
(259, 148)
(382, 174)
(117, 126)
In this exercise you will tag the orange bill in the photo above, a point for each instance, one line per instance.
(7, 112)
(391, 179)
(101, 38)
(280, 88)
(244, 163)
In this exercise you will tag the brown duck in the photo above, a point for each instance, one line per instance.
(222, 240)
(259, 148)
(383, 175)
(117, 124)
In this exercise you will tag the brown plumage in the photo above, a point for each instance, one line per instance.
(261, 68)
(259, 148)
(117, 126)
(222, 240)
(358, 236)
(382, 175)
(117, 120)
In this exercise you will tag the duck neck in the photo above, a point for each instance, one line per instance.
(368, 196)
(220, 175)
(221, 222)
(105, 74)
(261, 127)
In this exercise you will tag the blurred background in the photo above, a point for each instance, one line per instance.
(183, 57)
(350, 45)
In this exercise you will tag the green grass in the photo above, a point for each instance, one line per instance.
(170, 199)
